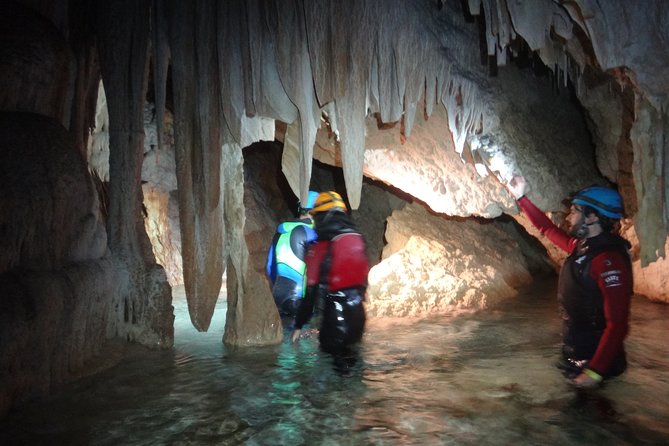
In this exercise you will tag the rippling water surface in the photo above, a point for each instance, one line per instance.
(482, 379)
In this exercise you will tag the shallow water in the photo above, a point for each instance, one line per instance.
(481, 379)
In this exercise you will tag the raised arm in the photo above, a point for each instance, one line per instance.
(517, 187)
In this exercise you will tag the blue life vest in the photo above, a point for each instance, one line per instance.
(287, 252)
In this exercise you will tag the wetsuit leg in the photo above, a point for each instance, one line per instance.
(343, 322)
(333, 326)
(354, 314)
(285, 296)
(579, 347)
(618, 366)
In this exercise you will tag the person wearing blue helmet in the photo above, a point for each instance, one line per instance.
(285, 266)
(595, 283)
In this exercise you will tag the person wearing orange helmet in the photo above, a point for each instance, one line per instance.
(595, 283)
(337, 269)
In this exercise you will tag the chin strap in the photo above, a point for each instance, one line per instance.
(582, 231)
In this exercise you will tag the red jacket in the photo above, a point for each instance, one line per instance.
(348, 265)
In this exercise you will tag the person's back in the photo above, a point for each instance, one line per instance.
(337, 269)
(285, 265)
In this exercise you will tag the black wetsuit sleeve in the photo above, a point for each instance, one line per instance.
(306, 306)
(298, 242)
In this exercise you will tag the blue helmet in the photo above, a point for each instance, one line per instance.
(606, 201)
(311, 199)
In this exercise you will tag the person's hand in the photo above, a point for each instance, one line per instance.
(584, 381)
(295, 335)
(517, 186)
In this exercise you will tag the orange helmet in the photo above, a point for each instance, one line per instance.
(329, 201)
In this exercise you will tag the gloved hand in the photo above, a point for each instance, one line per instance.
(587, 380)
(517, 187)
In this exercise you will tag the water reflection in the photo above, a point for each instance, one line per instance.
(479, 379)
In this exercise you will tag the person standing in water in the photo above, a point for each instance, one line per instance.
(285, 265)
(595, 282)
(337, 269)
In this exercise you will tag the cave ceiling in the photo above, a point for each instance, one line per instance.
(236, 67)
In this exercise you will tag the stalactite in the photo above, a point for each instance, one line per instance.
(413, 50)
(492, 28)
(123, 41)
(198, 156)
(390, 92)
(286, 19)
(464, 111)
(85, 97)
(161, 56)
(268, 95)
(373, 104)
(293, 60)
(351, 107)
(123, 63)
(230, 66)
(664, 163)
(650, 140)
(246, 61)
(430, 90)
(329, 27)
(341, 62)
(87, 77)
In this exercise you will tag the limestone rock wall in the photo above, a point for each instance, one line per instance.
(159, 182)
(37, 64)
(652, 280)
(53, 327)
(57, 276)
(65, 294)
(435, 265)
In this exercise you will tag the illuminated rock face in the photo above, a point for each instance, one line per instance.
(436, 265)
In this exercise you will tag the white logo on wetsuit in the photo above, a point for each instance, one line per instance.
(611, 278)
